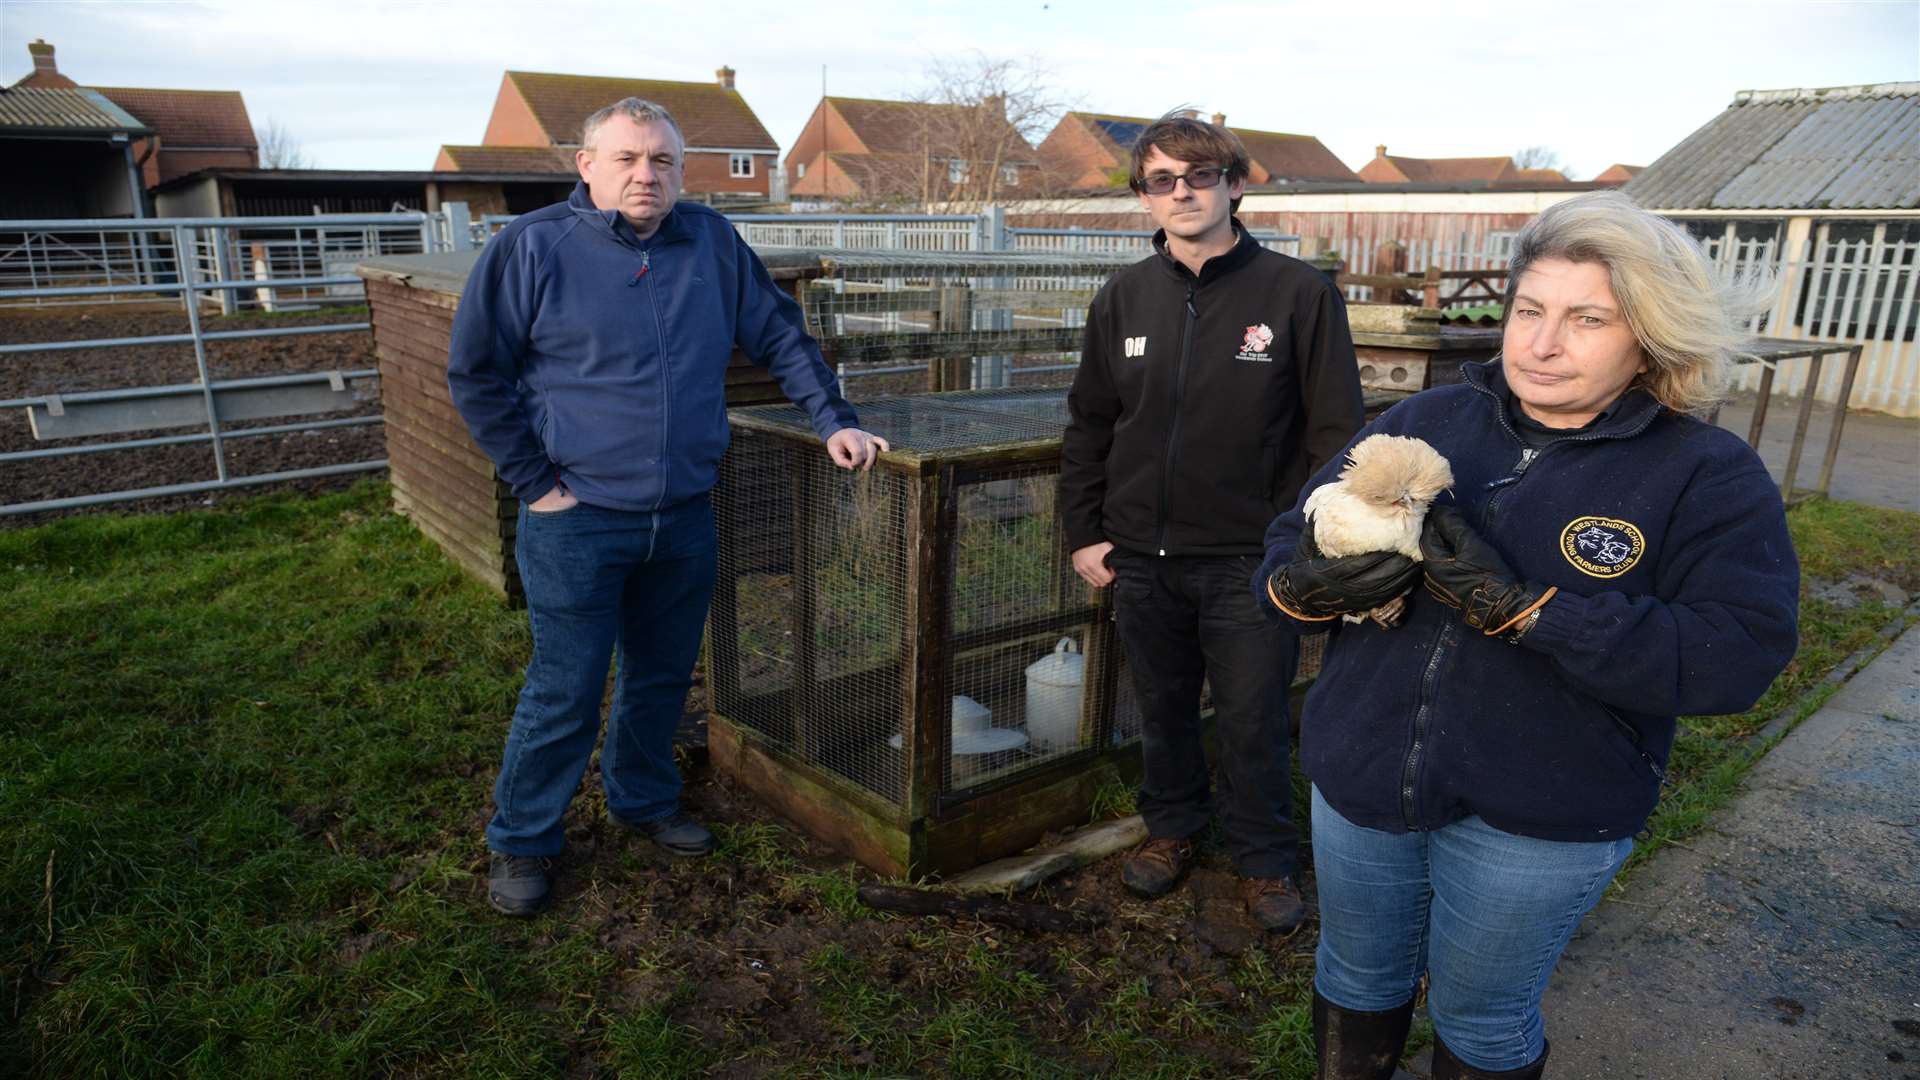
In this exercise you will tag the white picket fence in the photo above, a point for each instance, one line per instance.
(1847, 282)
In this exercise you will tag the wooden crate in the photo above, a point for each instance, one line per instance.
(850, 610)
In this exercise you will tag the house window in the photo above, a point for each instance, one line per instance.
(800, 169)
(740, 166)
(1010, 175)
(956, 171)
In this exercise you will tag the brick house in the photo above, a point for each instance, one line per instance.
(192, 129)
(536, 121)
(870, 150)
(1395, 169)
(1618, 174)
(1088, 151)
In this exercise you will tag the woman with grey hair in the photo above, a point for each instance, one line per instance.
(1604, 562)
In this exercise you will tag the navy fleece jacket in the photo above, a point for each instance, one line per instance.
(583, 354)
(1678, 595)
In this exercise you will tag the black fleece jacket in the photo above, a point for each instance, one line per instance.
(1203, 402)
(1679, 594)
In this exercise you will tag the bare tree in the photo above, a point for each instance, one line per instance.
(974, 126)
(279, 149)
(1536, 157)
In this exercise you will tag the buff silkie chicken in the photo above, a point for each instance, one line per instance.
(1379, 504)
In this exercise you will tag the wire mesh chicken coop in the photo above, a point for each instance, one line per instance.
(903, 660)
(905, 321)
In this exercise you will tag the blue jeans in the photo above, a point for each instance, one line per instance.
(598, 581)
(1487, 913)
(1184, 619)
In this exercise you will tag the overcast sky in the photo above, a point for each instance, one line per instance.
(382, 85)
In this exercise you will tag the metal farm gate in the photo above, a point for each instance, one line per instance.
(207, 269)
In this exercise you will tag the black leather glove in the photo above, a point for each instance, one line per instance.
(1317, 587)
(1464, 571)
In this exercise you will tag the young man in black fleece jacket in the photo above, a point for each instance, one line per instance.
(1215, 378)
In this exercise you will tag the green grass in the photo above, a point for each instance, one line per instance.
(248, 755)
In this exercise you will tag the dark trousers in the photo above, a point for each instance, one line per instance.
(1183, 619)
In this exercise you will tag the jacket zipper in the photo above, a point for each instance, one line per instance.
(1632, 735)
(1173, 432)
(1420, 716)
(666, 380)
(1528, 455)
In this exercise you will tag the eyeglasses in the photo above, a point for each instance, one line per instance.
(1200, 179)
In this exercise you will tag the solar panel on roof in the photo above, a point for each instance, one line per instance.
(1123, 132)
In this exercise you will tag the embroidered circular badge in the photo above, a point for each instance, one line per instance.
(1602, 547)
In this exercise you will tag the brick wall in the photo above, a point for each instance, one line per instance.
(512, 122)
(709, 173)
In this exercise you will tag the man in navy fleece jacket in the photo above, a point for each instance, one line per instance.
(588, 359)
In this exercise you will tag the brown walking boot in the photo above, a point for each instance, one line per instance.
(1274, 903)
(1156, 866)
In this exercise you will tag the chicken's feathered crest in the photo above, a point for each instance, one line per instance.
(1385, 469)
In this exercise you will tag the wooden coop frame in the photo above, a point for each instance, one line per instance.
(931, 828)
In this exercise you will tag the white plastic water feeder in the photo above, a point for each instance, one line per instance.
(978, 746)
(1054, 684)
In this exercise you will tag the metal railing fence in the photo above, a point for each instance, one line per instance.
(255, 259)
(231, 265)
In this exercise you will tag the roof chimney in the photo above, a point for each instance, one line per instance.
(42, 54)
(725, 78)
(1219, 119)
(44, 74)
(1380, 151)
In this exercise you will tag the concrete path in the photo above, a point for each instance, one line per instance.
(1879, 460)
(1784, 942)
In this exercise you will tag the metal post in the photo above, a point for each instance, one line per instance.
(135, 189)
(1800, 427)
(427, 241)
(1839, 420)
(459, 225)
(1760, 403)
(200, 356)
(223, 265)
(840, 233)
(997, 371)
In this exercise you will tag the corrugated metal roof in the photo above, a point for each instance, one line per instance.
(1846, 148)
(29, 109)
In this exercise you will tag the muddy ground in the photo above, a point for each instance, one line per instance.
(735, 944)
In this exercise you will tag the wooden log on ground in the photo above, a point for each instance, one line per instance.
(1015, 913)
(1020, 872)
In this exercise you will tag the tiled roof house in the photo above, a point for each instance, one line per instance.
(192, 129)
(536, 121)
(865, 149)
(1395, 169)
(1094, 150)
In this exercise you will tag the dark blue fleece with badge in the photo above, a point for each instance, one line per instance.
(581, 353)
(1678, 595)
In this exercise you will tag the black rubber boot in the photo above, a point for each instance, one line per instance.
(1448, 1067)
(1353, 1045)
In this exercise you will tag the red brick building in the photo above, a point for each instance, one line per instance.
(871, 150)
(537, 117)
(192, 129)
(1617, 174)
(1088, 151)
(1395, 169)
